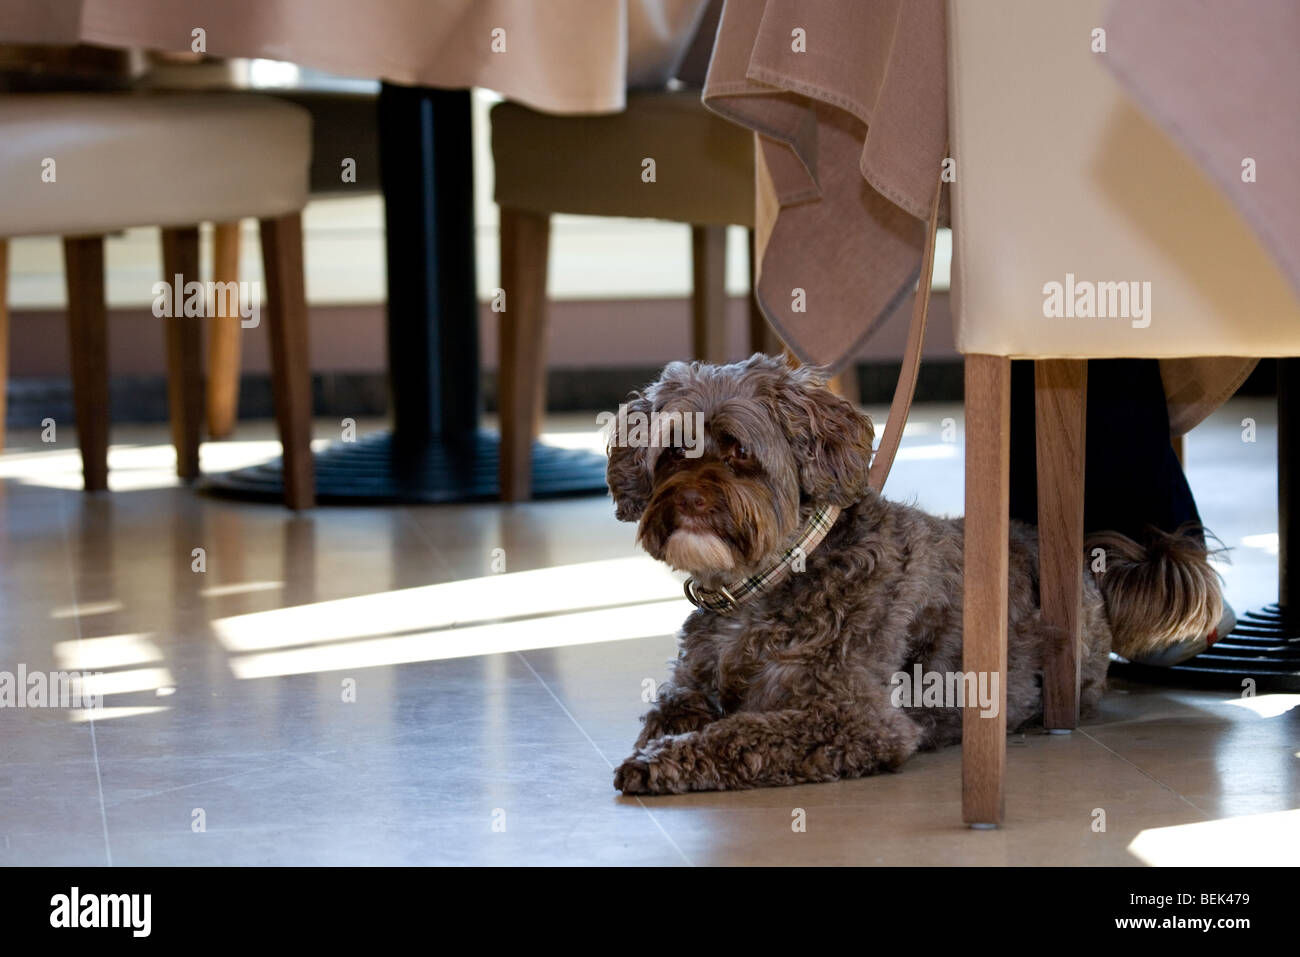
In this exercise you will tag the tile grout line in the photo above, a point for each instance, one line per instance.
(423, 535)
(90, 712)
(1146, 774)
(194, 784)
(596, 748)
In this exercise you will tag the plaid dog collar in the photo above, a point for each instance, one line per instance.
(726, 599)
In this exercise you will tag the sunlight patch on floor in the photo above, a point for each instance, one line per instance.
(1255, 840)
(580, 628)
(455, 604)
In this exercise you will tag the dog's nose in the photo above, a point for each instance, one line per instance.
(692, 501)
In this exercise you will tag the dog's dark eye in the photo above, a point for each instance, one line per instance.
(676, 452)
(737, 454)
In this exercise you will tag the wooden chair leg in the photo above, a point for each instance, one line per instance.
(521, 375)
(184, 336)
(762, 337)
(286, 300)
(83, 268)
(223, 335)
(1060, 400)
(709, 293)
(984, 609)
(4, 337)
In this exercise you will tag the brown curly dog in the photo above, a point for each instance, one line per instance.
(818, 599)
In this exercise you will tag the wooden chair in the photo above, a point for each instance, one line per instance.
(343, 124)
(1059, 175)
(592, 166)
(83, 165)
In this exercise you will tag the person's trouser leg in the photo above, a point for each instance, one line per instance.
(1132, 477)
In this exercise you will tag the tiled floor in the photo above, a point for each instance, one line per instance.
(367, 685)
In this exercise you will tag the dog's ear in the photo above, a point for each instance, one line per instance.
(628, 474)
(831, 438)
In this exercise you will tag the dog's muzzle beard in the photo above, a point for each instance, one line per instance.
(704, 524)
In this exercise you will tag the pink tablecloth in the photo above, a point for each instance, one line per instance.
(561, 56)
(849, 98)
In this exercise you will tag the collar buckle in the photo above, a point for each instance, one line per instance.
(719, 601)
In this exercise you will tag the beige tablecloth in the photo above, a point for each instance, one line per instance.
(1223, 80)
(560, 56)
(852, 130)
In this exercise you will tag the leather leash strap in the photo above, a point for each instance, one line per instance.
(906, 388)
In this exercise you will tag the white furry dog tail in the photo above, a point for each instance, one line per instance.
(1157, 593)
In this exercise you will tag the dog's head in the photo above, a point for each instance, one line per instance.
(720, 464)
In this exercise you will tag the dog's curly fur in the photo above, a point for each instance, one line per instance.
(794, 685)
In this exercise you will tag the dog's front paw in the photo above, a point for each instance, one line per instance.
(633, 775)
(667, 765)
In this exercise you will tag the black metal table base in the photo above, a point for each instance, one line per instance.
(376, 469)
(1264, 647)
